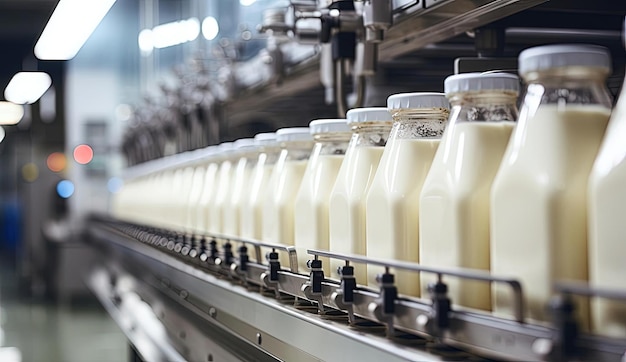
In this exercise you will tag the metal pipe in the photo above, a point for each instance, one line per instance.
(340, 91)
(574, 34)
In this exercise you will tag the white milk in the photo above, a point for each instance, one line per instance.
(454, 210)
(311, 208)
(252, 211)
(207, 197)
(195, 193)
(278, 217)
(607, 229)
(181, 197)
(347, 206)
(539, 204)
(166, 213)
(393, 207)
(239, 185)
(222, 191)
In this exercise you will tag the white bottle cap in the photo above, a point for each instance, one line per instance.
(265, 138)
(329, 126)
(293, 134)
(566, 55)
(373, 114)
(208, 151)
(417, 100)
(225, 147)
(468, 82)
(244, 142)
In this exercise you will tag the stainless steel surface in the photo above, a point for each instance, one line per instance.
(150, 342)
(270, 317)
(234, 290)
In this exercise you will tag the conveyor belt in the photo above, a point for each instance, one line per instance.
(280, 314)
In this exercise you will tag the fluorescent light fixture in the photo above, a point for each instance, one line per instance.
(27, 87)
(169, 34)
(246, 2)
(145, 41)
(10, 113)
(69, 27)
(210, 28)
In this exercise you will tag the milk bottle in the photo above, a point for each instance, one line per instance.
(607, 207)
(370, 130)
(392, 204)
(222, 190)
(454, 203)
(245, 150)
(296, 145)
(209, 187)
(197, 187)
(311, 211)
(181, 193)
(539, 194)
(253, 203)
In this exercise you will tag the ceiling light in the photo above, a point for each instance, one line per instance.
(27, 87)
(169, 34)
(10, 113)
(210, 28)
(69, 27)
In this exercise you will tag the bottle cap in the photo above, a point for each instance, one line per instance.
(565, 55)
(469, 82)
(374, 114)
(265, 138)
(417, 100)
(329, 126)
(293, 134)
(225, 146)
(244, 143)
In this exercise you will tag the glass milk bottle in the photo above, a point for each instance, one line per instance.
(207, 156)
(392, 205)
(183, 193)
(454, 203)
(311, 213)
(370, 130)
(245, 151)
(539, 194)
(223, 182)
(209, 186)
(252, 211)
(278, 221)
(607, 207)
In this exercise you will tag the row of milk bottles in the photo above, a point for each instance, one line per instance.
(459, 179)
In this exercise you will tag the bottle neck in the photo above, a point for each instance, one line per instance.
(332, 137)
(482, 106)
(335, 143)
(419, 123)
(269, 154)
(372, 134)
(578, 86)
(567, 75)
(297, 150)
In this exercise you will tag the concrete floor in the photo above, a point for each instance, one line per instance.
(45, 331)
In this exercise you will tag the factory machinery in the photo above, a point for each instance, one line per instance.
(213, 297)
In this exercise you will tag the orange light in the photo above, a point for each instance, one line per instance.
(56, 162)
(83, 154)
